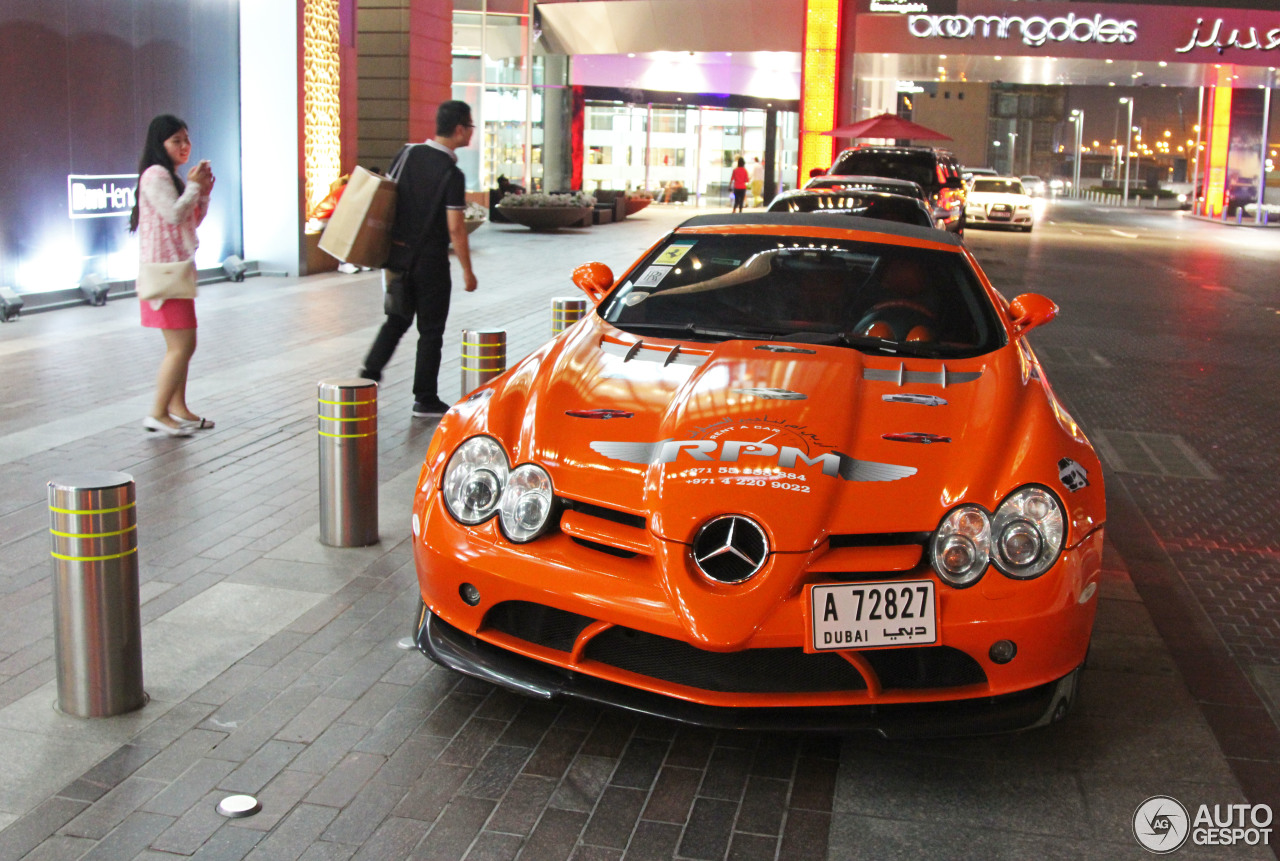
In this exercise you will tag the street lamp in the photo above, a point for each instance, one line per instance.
(1077, 117)
(1137, 167)
(1128, 150)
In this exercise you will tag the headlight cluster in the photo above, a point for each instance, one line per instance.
(478, 483)
(1022, 540)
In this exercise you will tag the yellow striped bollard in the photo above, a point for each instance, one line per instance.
(347, 420)
(97, 620)
(484, 356)
(565, 311)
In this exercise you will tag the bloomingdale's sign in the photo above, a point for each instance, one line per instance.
(1034, 30)
(1214, 39)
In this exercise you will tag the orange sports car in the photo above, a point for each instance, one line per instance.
(800, 471)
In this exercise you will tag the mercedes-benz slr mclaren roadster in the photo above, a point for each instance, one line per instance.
(797, 471)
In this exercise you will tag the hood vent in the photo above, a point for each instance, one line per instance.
(660, 354)
(901, 376)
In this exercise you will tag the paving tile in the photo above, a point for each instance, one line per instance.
(805, 835)
(673, 794)
(614, 818)
(346, 779)
(192, 829)
(192, 785)
(130, 837)
(753, 847)
(492, 777)
(523, 803)
(814, 786)
(640, 763)
(653, 841)
(27, 833)
(229, 844)
(706, 837)
(584, 783)
(763, 805)
(473, 741)
(395, 838)
(726, 774)
(555, 836)
(278, 798)
(490, 846)
(555, 753)
(295, 834)
(432, 792)
(457, 828)
(691, 748)
(109, 811)
(358, 819)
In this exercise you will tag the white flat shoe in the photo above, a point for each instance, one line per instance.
(155, 425)
(195, 424)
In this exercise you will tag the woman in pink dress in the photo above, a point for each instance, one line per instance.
(165, 216)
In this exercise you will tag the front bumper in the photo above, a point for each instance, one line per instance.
(466, 654)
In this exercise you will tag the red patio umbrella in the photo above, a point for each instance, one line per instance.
(887, 126)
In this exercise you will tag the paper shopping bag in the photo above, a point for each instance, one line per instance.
(359, 230)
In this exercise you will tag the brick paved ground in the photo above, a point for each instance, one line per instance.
(274, 663)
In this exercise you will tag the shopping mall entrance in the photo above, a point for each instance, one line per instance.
(684, 153)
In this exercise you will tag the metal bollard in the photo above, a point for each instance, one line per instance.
(96, 616)
(565, 311)
(484, 356)
(348, 428)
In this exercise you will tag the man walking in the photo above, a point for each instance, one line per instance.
(430, 208)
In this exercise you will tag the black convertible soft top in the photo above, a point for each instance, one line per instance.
(835, 221)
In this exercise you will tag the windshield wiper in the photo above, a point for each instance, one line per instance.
(701, 331)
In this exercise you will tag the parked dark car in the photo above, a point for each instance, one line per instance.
(904, 187)
(934, 170)
(1240, 193)
(868, 204)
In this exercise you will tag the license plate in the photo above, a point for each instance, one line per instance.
(870, 615)
(1000, 215)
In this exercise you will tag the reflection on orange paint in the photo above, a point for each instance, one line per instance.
(1219, 143)
(818, 85)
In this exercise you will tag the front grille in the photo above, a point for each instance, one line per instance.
(535, 623)
(879, 539)
(789, 670)
(747, 671)
(924, 667)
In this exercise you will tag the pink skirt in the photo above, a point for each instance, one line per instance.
(172, 314)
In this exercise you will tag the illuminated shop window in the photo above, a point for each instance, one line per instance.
(322, 106)
(818, 83)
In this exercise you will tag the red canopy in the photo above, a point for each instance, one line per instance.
(887, 126)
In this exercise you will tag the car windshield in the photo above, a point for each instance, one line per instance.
(998, 186)
(874, 297)
(917, 167)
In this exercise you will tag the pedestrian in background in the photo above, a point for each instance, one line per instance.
(166, 213)
(431, 205)
(757, 183)
(738, 180)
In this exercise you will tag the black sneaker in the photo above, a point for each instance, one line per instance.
(434, 407)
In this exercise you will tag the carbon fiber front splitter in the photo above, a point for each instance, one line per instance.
(457, 650)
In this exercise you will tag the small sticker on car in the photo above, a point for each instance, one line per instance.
(1074, 476)
(653, 276)
(672, 254)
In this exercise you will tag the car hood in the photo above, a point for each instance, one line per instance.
(811, 442)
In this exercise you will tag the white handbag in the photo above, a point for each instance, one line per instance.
(167, 280)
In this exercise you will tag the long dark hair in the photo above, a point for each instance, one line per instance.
(161, 129)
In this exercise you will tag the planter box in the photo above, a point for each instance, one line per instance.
(635, 204)
(547, 217)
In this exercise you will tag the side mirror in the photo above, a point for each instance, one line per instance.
(594, 279)
(1030, 310)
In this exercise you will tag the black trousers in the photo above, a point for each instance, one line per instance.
(429, 284)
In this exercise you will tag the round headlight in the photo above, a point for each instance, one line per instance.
(526, 503)
(474, 479)
(1029, 533)
(961, 547)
